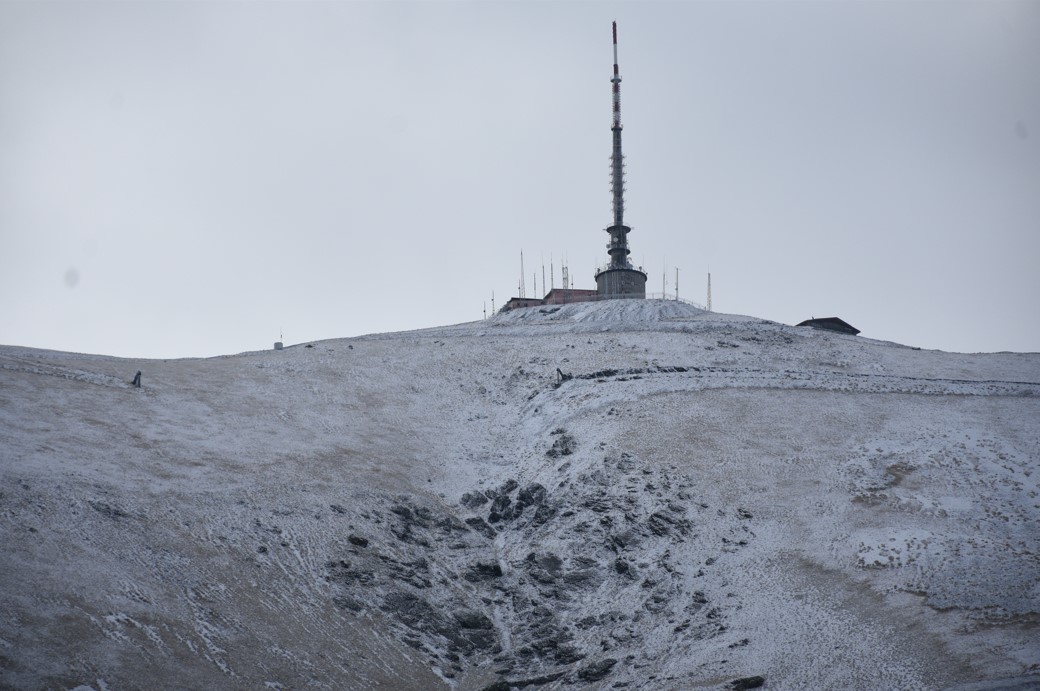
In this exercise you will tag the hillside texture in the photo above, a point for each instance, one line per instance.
(629, 494)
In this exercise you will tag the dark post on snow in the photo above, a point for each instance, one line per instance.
(137, 379)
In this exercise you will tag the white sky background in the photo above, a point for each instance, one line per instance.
(187, 178)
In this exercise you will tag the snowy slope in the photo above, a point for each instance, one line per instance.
(703, 499)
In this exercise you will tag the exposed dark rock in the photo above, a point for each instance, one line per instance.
(541, 615)
(597, 670)
(466, 631)
(414, 515)
(564, 445)
(482, 571)
(582, 578)
(587, 622)
(543, 514)
(662, 524)
(450, 524)
(357, 540)
(531, 495)
(541, 576)
(108, 510)
(402, 511)
(481, 526)
(412, 520)
(347, 602)
(470, 640)
(568, 654)
(473, 500)
(535, 681)
(500, 509)
(498, 686)
(550, 562)
(747, 683)
(336, 508)
(601, 374)
(423, 516)
(410, 609)
(626, 538)
(469, 619)
(546, 647)
(624, 635)
(342, 572)
(656, 603)
(410, 577)
(457, 631)
(744, 513)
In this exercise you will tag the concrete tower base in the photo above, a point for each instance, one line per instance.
(621, 283)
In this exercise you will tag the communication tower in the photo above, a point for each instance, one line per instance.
(619, 279)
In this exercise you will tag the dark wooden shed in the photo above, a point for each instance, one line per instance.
(831, 324)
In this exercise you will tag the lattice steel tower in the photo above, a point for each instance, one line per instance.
(619, 279)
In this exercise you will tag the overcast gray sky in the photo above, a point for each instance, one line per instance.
(190, 178)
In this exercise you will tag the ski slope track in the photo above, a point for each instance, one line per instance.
(700, 501)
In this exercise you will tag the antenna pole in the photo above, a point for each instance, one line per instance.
(522, 291)
(618, 246)
(709, 291)
(677, 284)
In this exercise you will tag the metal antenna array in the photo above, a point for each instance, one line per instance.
(618, 247)
(619, 279)
(522, 292)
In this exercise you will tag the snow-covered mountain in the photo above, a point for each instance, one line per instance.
(628, 494)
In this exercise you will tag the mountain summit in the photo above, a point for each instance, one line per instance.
(616, 495)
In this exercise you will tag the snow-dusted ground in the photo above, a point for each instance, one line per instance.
(703, 499)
